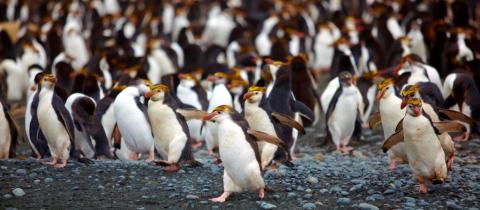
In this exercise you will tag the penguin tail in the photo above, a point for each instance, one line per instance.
(193, 163)
(288, 164)
(85, 161)
(438, 181)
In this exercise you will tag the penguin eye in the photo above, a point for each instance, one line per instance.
(256, 93)
(219, 112)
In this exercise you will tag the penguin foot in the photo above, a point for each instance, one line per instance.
(450, 162)
(393, 165)
(161, 163)
(346, 150)
(210, 152)
(172, 168)
(197, 144)
(151, 156)
(221, 198)
(217, 161)
(464, 137)
(60, 165)
(261, 193)
(422, 188)
(53, 162)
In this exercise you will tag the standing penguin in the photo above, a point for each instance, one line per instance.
(220, 96)
(239, 152)
(343, 110)
(55, 123)
(259, 116)
(170, 131)
(391, 114)
(424, 150)
(8, 129)
(132, 121)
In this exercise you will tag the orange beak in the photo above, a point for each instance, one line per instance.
(247, 95)
(181, 76)
(148, 94)
(211, 78)
(403, 104)
(379, 95)
(209, 116)
(416, 111)
(52, 79)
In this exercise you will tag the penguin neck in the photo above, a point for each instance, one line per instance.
(46, 93)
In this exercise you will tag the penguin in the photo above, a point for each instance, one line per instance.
(422, 145)
(345, 107)
(16, 79)
(259, 116)
(237, 88)
(191, 93)
(90, 138)
(170, 131)
(239, 152)
(35, 137)
(132, 121)
(220, 96)
(9, 130)
(56, 124)
(323, 49)
(390, 113)
(461, 94)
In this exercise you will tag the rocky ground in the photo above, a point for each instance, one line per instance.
(321, 179)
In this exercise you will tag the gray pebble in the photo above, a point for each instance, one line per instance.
(367, 206)
(389, 191)
(307, 196)
(36, 181)
(204, 202)
(344, 201)
(265, 205)
(192, 197)
(453, 205)
(21, 171)
(7, 196)
(291, 195)
(323, 190)
(312, 180)
(309, 206)
(18, 192)
(48, 180)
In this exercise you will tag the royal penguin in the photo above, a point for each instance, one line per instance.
(9, 130)
(170, 131)
(239, 152)
(220, 96)
(422, 145)
(90, 138)
(391, 113)
(461, 92)
(56, 124)
(132, 120)
(344, 108)
(237, 87)
(259, 116)
(191, 93)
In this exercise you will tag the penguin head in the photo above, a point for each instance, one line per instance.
(409, 92)
(48, 81)
(187, 80)
(219, 114)
(254, 94)
(157, 92)
(414, 107)
(385, 88)
(346, 78)
(237, 86)
(218, 78)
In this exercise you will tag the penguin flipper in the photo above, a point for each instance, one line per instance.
(101, 142)
(13, 132)
(287, 120)
(454, 115)
(375, 120)
(399, 126)
(262, 136)
(449, 126)
(304, 111)
(392, 140)
(191, 114)
(117, 137)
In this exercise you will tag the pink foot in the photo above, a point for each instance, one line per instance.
(197, 144)
(393, 165)
(450, 162)
(151, 156)
(422, 188)
(60, 165)
(172, 168)
(261, 193)
(53, 162)
(464, 137)
(217, 161)
(210, 152)
(222, 198)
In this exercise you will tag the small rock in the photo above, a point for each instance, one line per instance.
(410, 199)
(323, 190)
(291, 195)
(375, 197)
(307, 196)
(192, 197)
(265, 205)
(344, 193)
(344, 201)
(48, 180)
(319, 156)
(309, 206)
(367, 206)
(18, 192)
(204, 202)
(312, 180)
(389, 191)
(358, 154)
(7, 196)
(453, 205)
(75, 188)
(100, 187)
(336, 189)
(36, 181)
(356, 187)
(21, 171)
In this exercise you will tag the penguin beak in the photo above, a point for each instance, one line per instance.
(403, 104)
(247, 95)
(211, 78)
(181, 76)
(380, 95)
(416, 111)
(148, 94)
(209, 116)
(52, 79)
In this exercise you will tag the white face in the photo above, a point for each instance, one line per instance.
(237, 90)
(158, 96)
(48, 82)
(414, 110)
(388, 91)
(273, 69)
(220, 116)
(187, 83)
(255, 97)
